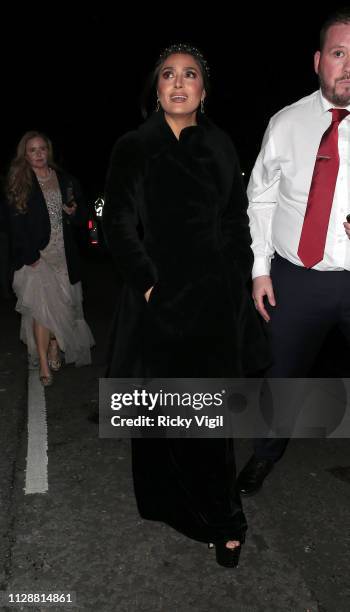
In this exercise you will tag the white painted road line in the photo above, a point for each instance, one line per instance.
(36, 469)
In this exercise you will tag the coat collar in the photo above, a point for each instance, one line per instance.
(158, 135)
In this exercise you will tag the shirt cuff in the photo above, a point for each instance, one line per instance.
(261, 266)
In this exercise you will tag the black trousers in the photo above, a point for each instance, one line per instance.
(309, 305)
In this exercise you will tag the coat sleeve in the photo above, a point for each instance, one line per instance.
(235, 224)
(120, 221)
(24, 251)
(79, 219)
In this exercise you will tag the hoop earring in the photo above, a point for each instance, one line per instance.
(157, 105)
(202, 106)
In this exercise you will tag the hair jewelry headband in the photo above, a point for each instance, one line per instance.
(184, 48)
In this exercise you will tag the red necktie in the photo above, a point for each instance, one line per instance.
(320, 200)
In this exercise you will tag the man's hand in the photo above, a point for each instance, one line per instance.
(262, 285)
(70, 210)
(347, 228)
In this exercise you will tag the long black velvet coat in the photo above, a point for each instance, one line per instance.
(175, 218)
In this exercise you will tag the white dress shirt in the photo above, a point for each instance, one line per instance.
(280, 183)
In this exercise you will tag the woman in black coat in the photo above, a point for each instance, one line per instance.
(45, 205)
(176, 224)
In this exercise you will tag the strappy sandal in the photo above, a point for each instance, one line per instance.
(46, 381)
(54, 364)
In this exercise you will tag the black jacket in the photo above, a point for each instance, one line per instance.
(31, 229)
(175, 218)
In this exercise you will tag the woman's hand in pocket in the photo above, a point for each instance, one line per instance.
(148, 293)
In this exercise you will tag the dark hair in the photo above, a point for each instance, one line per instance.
(152, 79)
(340, 16)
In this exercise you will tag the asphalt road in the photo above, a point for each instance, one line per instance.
(85, 536)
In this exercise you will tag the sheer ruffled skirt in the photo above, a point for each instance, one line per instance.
(48, 297)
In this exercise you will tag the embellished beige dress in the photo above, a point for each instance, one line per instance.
(46, 295)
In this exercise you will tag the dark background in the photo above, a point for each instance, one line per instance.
(77, 73)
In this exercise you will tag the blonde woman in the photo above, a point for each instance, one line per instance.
(46, 204)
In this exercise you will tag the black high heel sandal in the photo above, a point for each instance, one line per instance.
(226, 557)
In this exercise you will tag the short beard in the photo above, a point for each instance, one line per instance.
(332, 96)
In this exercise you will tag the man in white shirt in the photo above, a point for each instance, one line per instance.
(301, 303)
